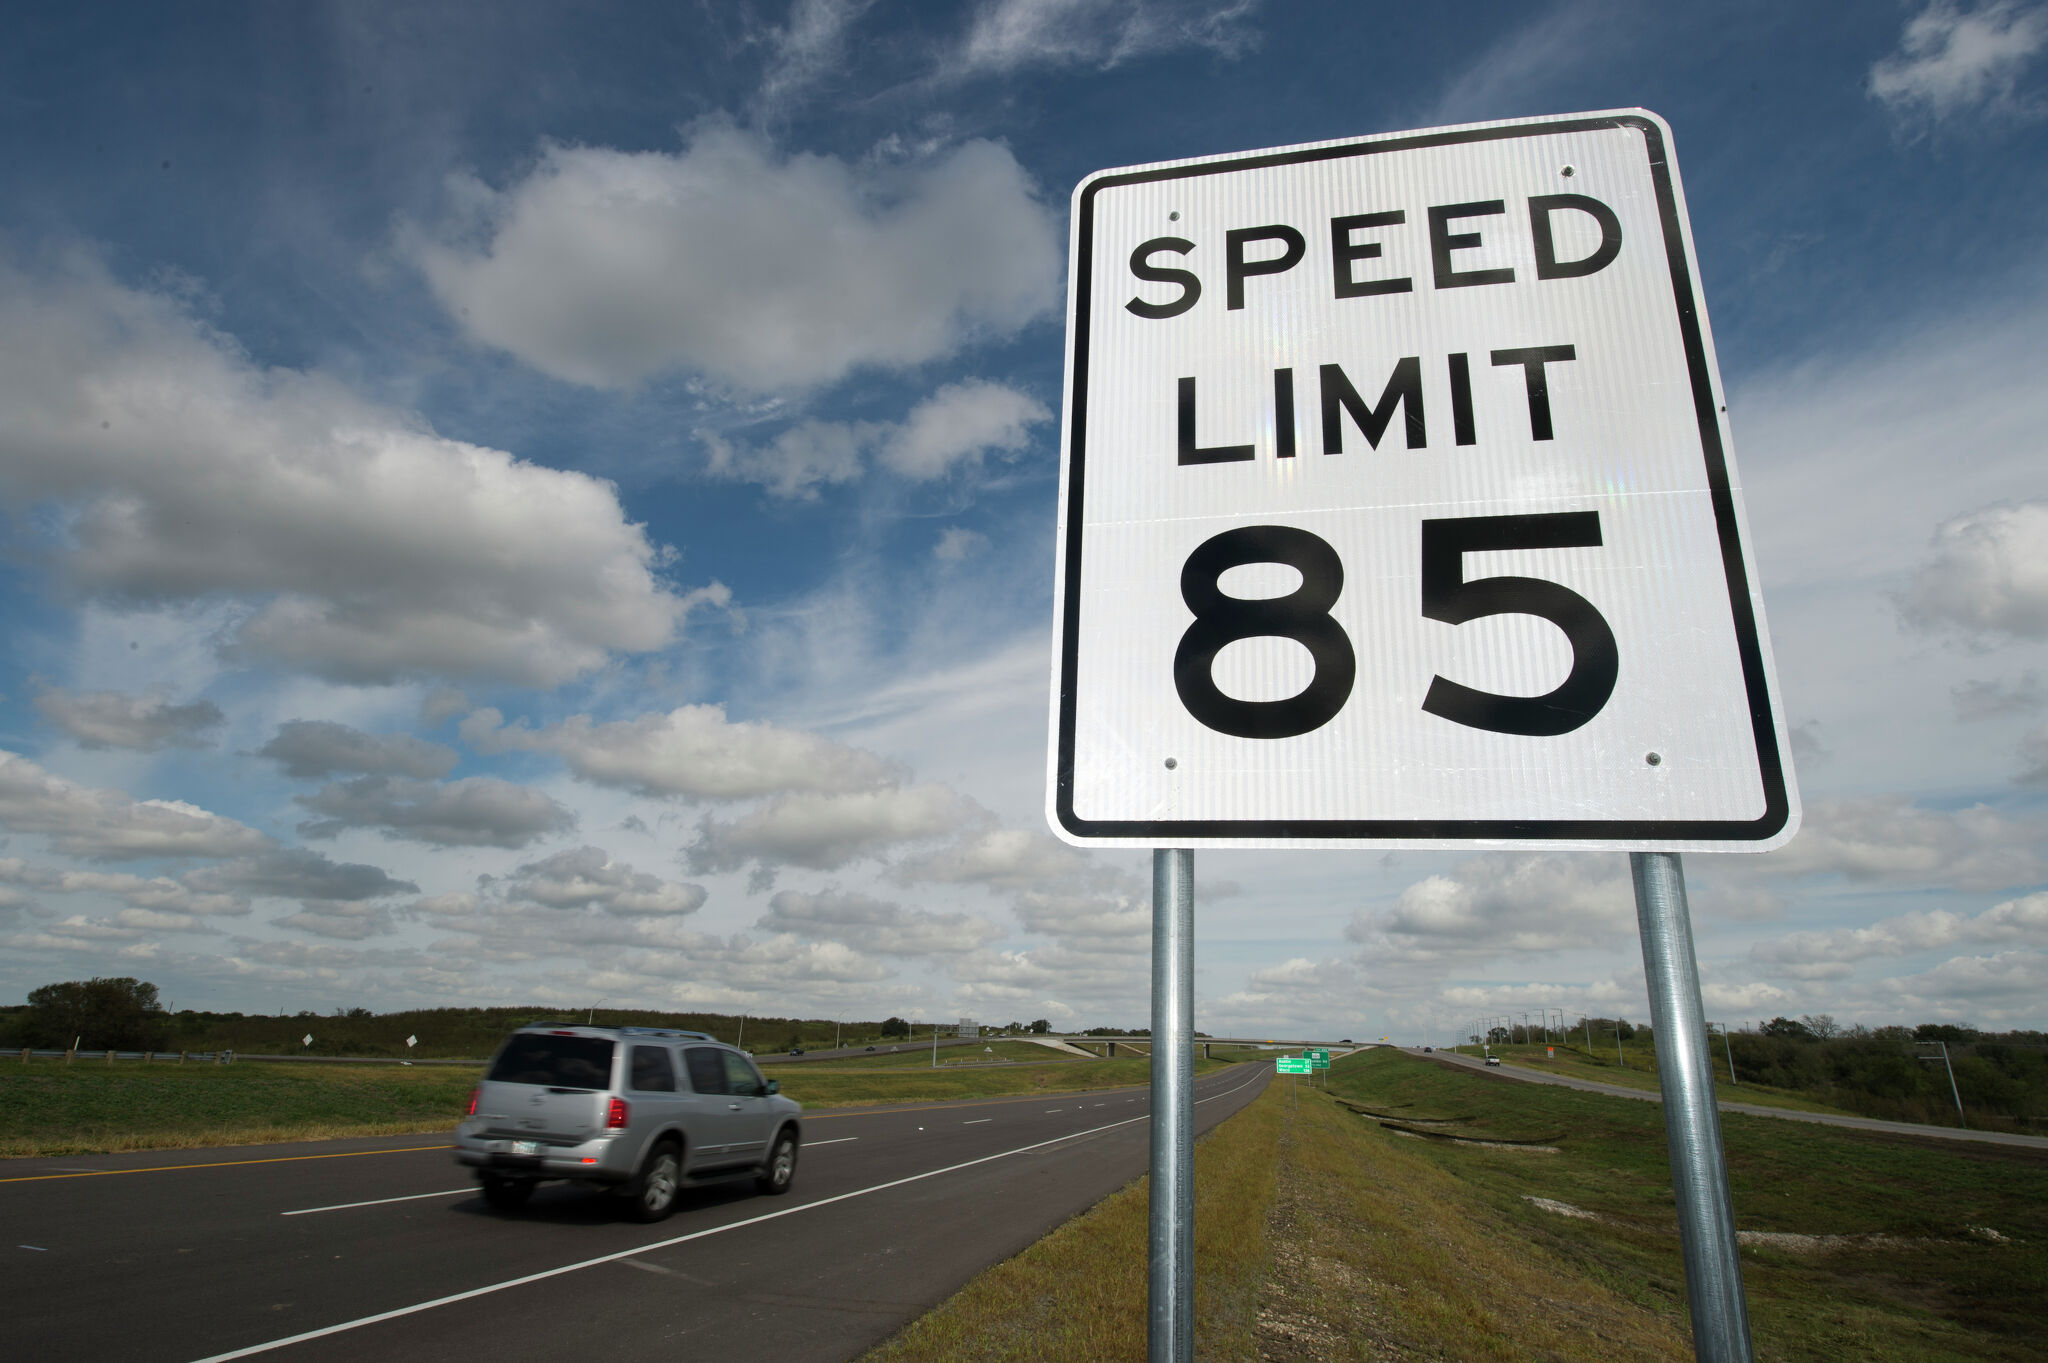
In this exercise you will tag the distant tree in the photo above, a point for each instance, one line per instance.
(1821, 1025)
(1040, 1027)
(895, 1027)
(102, 1014)
(1950, 1032)
(1786, 1027)
(1497, 1036)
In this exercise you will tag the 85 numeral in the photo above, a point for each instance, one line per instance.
(1303, 615)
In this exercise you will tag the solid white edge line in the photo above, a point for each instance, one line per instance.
(978, 1121)
(380, 1201)
(836, 1140)
(545, 1274)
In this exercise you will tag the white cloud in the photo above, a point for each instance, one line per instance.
(1988, 574)
(826, 832)
(1087, 923)
(587, 877)
(953, 428)
(2005, 987)
(348, 922)
(1004, 859)
(764, 272)
(957, 544)
(1007, 35)
(1889, 838)
(308, 749)
(1808, 955)
(2034, 754)
(810, 47)
(476, 811)
(156, 894)
(874, 925)
(693, 751)
(1504, 904)
(1951, 60)
(363, 546)
(85, 822)
(114, 719)
(959, 422)
(298, 873)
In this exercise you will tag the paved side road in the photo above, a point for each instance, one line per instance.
(1947, 1133)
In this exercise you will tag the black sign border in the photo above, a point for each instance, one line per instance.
(1777, 802)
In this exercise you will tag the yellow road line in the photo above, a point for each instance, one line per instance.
(223, 1164)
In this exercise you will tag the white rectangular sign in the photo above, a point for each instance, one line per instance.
(1397, 506)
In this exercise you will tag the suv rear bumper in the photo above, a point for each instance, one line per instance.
(602, 1160)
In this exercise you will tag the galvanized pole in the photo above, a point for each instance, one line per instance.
(1692, 1122)
(1170, 1330)
(1953, 1090)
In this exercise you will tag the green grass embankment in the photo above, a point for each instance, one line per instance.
(1640, 1072)
(49, 1107)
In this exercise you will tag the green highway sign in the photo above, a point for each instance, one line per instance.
(1288, 1064)
(1317, 1053)
(1319, 1060)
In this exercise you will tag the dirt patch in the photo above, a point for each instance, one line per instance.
(1789, 1242)
(1540, 1146)
(1315, 1307)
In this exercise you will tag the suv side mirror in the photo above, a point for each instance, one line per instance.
(772, 1086)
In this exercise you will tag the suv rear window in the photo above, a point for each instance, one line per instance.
(570, 1062)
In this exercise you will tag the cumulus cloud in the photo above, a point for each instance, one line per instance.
(808, 48)
(1007, 35)
(84, 821)
(588, 878)
(1890, 838)
(2034, 758)
(1951, 60)
(298, 873)
(476, 811)
(1827, 955)
(1004, 859)
(361, 546)
(1499, 904)
(2004, 986)
(827, 832)
(1987, 575)
(347, 922)
(954, 428)
(1103, 922)
(762, 271)
(114, 719)
(693, 751)
(309, 749)
(874, 925)
(152, 894)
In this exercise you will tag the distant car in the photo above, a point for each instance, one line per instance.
(1493, 1060)
(796, 1050)
(639, 1111)
(871, 1048)
(1427, 1049)
(1345, 1042)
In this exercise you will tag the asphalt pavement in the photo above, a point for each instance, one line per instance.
(1947, 1133)
(382, 1248)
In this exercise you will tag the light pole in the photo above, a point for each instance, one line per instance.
(590, 1018)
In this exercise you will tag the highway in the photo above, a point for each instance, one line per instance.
(341, 1250)
(1945, 1133)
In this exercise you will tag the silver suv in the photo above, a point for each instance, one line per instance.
(640, 1111)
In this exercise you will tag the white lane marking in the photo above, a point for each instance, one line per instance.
(37, 1248)
(836, 1140)
(380, 1201)
(1049, 1111)
(978, 1121)
(545, 1274)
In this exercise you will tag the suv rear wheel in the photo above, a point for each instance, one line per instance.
(652, 1191)
(776, 1174)
(506, 1194)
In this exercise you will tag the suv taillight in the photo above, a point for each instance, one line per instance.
(474, 1094)
(615, 1116)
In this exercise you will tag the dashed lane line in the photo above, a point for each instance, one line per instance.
(224, 1164)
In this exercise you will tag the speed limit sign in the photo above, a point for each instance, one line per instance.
(1397, 506)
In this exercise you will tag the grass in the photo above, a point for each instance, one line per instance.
(48, 1107)
(1641, 1073)
(1318, 1237)
(1925, 1288)
(818, 1086)
(910, 1054)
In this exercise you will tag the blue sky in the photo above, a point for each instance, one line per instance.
(506, 504)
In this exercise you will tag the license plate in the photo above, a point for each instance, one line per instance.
(526, 1147)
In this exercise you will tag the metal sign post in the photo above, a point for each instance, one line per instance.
(1170, 1328)
(1692, 1122)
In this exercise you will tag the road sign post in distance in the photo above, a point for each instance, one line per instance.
(1397, 506)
